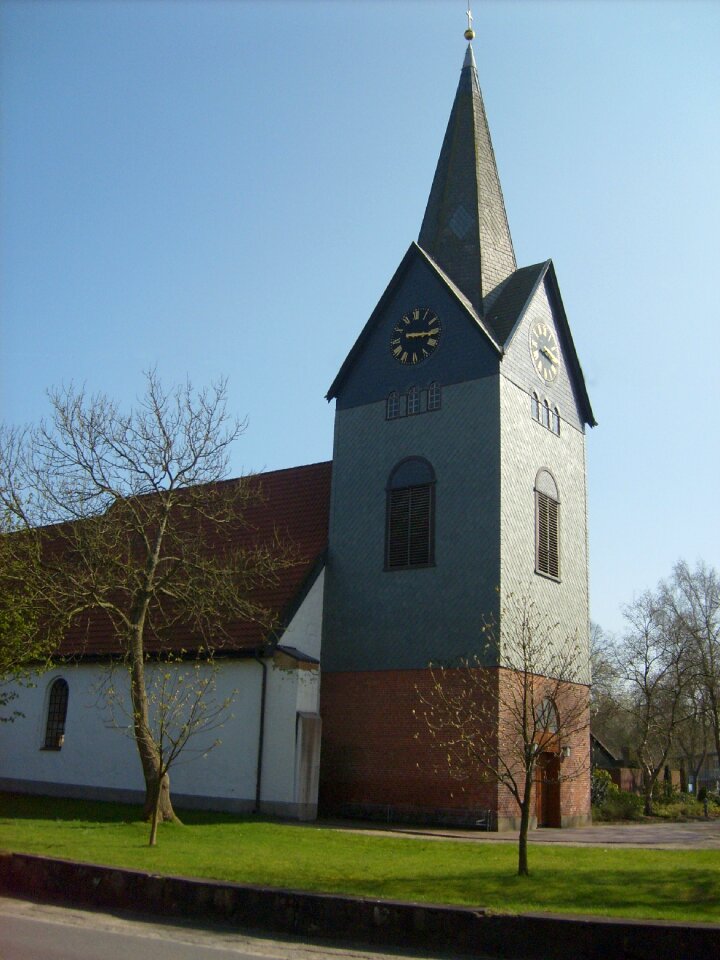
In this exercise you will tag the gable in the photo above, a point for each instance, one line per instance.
(532, 296)
(466, 350)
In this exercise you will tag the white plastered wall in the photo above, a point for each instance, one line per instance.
(98, 759)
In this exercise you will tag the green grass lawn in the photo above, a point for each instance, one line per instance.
(661, 884)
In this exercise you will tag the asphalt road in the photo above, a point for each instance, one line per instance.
(31, 931)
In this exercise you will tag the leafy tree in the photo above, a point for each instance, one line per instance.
(495, 725)
(138, 536)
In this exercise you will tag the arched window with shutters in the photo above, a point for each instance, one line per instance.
(434, 397)
(57, 711)
(410, 515)
(547, 525)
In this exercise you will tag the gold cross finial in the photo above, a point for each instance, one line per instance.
(469, 33)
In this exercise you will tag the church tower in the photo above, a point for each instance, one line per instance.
(458, 481)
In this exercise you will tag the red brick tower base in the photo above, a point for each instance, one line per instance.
(379, 761)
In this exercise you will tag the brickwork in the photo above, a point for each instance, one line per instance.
(379, 760)
(378, 757)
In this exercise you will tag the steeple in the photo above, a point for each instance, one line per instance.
(465, 228)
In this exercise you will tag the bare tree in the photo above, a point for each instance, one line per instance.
(652, 663)
(137, 535)
(184, 710)
(607, 719)
(24, 648)
(692, 597)
(693, 736)
(497, 723)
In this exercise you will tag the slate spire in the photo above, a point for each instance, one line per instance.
(465, 228)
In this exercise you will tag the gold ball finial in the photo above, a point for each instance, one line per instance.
(469, 33)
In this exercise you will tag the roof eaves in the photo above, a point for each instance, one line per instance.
(365, 332)
(573, 357)
(294, 605)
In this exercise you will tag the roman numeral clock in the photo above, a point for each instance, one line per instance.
(544, 351)
(415, 336)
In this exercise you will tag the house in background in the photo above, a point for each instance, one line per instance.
(458, 480)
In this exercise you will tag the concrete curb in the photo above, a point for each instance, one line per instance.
(374, 922)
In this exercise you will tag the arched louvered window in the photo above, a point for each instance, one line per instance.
(547, 526)
(434, 396)
(413, 401)
(393, 406)
(410, 515)
(535, 407)
(556, 421)
(57, 711)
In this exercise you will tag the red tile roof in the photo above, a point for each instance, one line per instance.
(294, 505)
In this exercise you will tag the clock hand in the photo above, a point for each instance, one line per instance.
(422, 333)
(551, 356)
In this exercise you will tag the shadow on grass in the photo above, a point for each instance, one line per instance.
(30, 807)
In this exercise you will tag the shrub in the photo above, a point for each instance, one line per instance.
(600, 786)
(621, 805)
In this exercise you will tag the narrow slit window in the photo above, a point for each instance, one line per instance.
(535, 407)
(57, 712)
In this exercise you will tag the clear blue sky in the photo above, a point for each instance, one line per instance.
(227, 187)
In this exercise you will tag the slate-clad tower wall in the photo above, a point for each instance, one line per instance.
(442, 386)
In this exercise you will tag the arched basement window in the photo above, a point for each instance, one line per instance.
(547, 525)
(57, 711)
(410, 537)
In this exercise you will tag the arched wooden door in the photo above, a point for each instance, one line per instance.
(547, 790)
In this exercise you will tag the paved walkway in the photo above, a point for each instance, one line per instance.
(697, 835)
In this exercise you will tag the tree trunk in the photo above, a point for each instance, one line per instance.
(147, 748)
(157, 801)
(523, 870)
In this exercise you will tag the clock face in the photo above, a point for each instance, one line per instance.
(544, 351)
(415, 336)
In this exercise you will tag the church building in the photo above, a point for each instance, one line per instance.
(458, 480)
